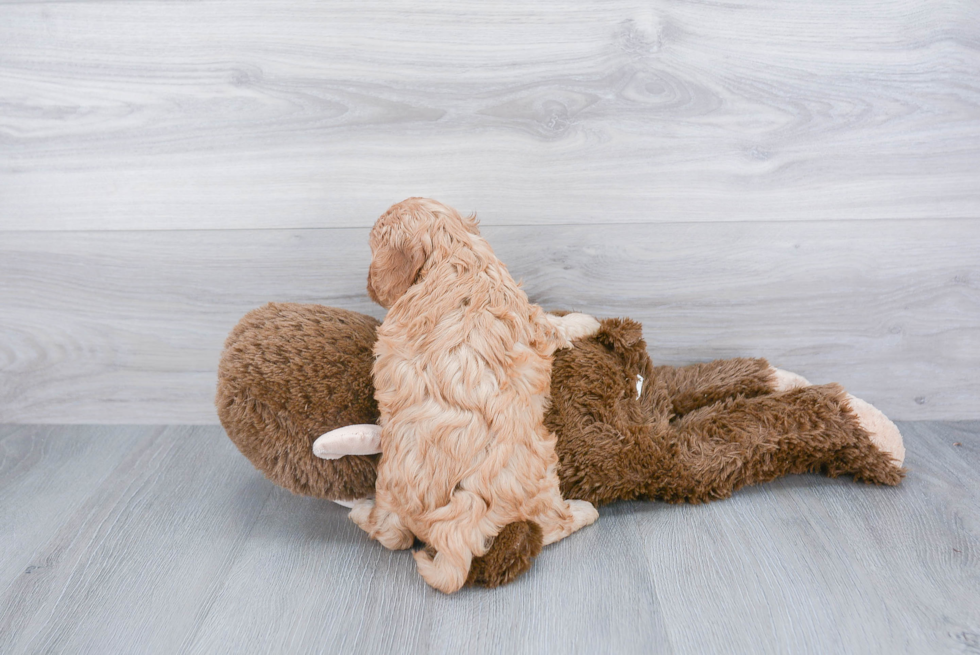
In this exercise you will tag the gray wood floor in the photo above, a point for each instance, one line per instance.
(164, 539)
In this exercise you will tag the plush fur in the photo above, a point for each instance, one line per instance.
(292, 372)
(696, 433)
(287, 372)
(513, 551)
(462, 374)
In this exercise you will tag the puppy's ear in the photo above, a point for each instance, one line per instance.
(393, 269)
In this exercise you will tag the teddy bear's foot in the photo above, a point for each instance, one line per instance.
(509, 557)
(786, 380)
(884, 434)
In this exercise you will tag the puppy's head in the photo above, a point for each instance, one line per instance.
(406, 236)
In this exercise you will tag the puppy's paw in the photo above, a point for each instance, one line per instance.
(438, 573)
(884, 433)
(360, 513)
(583, 512)
(382, 525)
(785, 380)
(579, 326)
(349, 440)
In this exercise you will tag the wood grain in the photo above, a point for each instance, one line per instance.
(138, 562)
(255, 114)
(354, 598)
(127, 327)
(811, 565)
(183, 547)
(44, 479)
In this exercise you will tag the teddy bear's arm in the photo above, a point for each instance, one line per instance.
(700, 385)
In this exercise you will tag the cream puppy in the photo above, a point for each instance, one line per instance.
(462, 375)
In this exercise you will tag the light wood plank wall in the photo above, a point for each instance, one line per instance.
(799, 181)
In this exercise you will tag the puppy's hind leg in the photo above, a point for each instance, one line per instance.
(447, 571)
(458, 532)
(381, 524)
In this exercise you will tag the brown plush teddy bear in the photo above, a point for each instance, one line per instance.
(626, 429)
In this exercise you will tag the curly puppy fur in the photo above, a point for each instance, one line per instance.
(462, 375)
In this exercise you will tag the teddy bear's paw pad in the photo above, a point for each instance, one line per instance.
(578, 326)
(786, 380)
(349, 440)
(884, 433)
(583, 512)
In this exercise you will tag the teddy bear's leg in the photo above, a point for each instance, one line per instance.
(381, 524)
(884, 434)
(700, 385)
(750, 440)
(510, 555)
